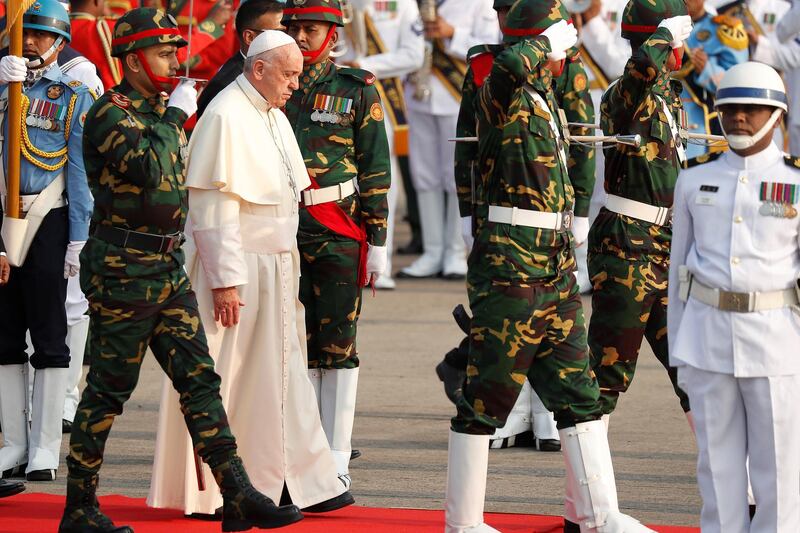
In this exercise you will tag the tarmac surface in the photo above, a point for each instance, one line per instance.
(402, 423)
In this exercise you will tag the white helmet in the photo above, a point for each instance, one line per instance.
(751, 83)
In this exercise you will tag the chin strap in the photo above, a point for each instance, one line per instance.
(39, 61)
(743, 142)
(161, 83)
(310, 56)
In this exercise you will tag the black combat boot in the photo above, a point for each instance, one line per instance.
(243, 507)
(571, 527)
(82, 513)
(452, 371)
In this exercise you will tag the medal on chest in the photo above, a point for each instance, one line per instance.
(332, 110)
(777, 199)
(769, 22)
(385, 9)
(45, 115)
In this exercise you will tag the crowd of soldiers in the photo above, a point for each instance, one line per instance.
(572, 122)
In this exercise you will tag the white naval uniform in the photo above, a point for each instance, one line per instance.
(405, 52)
(787, 56)
(740, 370)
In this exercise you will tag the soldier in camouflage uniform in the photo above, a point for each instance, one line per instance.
(132, 273)
(572, 94)
(629, 240)
(338, 120)
(528, 320)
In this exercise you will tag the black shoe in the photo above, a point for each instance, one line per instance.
(520, 440)
(216, 517)
(414, 247)
(342, 500)
(47, 474)
(243, 506)
(571, 527)
(82, 513)
(454, 276)
(355, 454)
(548, 445)
(10, 488)
(752, 509)
(17, 472)
(66, 426)
(453, 379)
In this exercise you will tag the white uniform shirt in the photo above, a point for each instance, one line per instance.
(603, 39)
(399, 31)
(475, 22)
(720, 235)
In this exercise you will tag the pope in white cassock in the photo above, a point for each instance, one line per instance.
(244, 175)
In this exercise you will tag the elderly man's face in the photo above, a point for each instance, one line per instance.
(278, 78)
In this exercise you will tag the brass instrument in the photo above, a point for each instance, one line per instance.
(422, 78)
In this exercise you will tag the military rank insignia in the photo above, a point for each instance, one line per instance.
(332, 110)
(777, 199)
(45, 115)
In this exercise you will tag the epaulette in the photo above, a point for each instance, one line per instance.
(77, 87)
(702, 159)
(480, 49)
(364, 76)
(792, 161)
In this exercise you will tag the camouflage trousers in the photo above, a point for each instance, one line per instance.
(534, 332)
(120, 330)
(330, 293)
(629, 303)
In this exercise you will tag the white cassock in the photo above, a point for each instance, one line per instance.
(245, 171)
(741, 370)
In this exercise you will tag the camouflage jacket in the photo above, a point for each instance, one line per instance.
(572, 94)
(133, 151)
(647, 174)
(518, 150)
(350, 144)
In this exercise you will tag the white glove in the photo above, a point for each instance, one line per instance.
(13, 68)
(680, 27)
(72, 263)
(580, 230)
(377, 258)
(466, 232)
(562, 37)
(184, 97)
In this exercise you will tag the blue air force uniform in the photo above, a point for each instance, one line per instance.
(724, 41)
(54, 110)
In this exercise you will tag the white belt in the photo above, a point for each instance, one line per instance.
(639, 210)
(738, 302)
(533, 219)
(26, 201)
(333, 193)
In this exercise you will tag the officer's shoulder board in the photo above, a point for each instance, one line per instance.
(702, 159)
(364, 76)
(792, 161)
(75, 86)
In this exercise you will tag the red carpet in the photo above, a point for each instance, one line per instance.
(40, 513)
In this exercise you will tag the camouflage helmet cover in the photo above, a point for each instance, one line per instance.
(314, 10)
(642, 17)
(528, 18)
(143, 27)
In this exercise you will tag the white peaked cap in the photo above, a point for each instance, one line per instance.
(267, 40)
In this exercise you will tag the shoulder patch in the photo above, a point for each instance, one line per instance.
(792, 161)
(376, 112)
(364, 76)
(481, 66)
(702, 159)
(120, 100)
(580, 82)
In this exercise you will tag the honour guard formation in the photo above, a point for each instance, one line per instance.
(217, 185)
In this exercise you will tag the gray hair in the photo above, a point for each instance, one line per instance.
(268, 56)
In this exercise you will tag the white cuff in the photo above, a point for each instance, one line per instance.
(221, 253)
